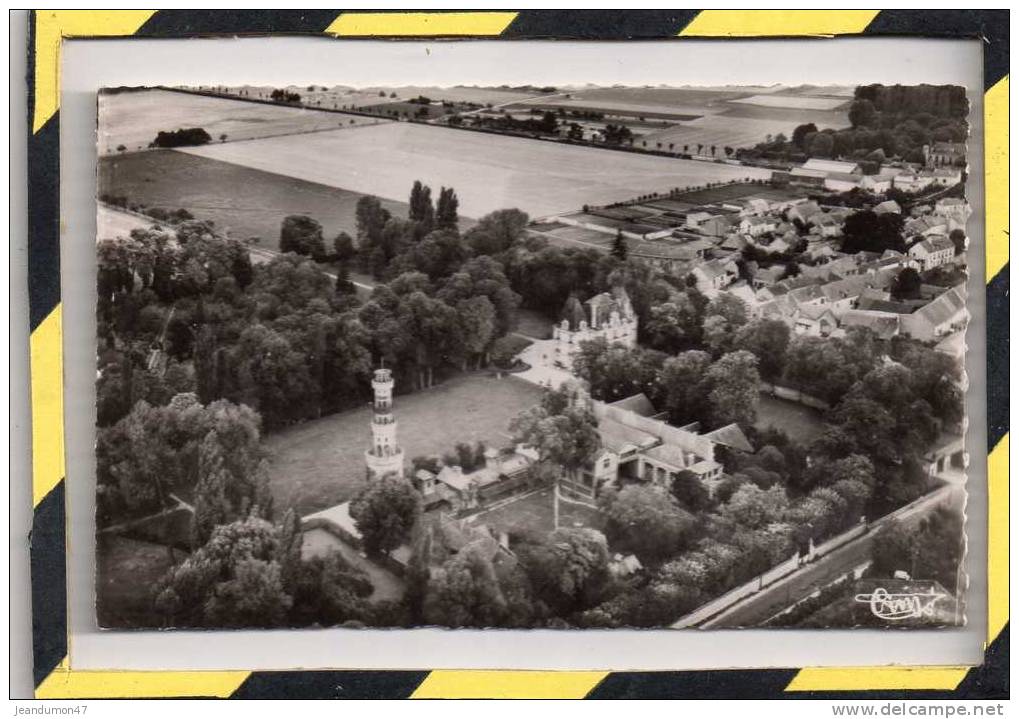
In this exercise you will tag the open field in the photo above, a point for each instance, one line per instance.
(126, 573)
(112, 223)
(717, 130)
(629, 109)
(320, 463)
(489, 172)
(534, 512)
(132, 119)
(460, 93)
(245, 201)
(801, 423)
(795, 102)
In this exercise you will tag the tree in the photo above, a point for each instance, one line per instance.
(343, 247)
(421, 212)
(371, 222)
(497, 231)
(234, 580)
(568, 569)
(800, 134)
(477, 326)
(465, 592)
(646, 520)
(958, 238)
(753, 507)
(690, 492)
(821, 145)
(675, 325)
(562, 430)
(735, 389)
(446, 217)
(862, 113)
(385, 512)
(619, 248)
(767, 340)
(868, 231)
(684, 386)
(303, 235)
(907, 284)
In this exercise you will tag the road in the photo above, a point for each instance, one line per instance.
(765, 604)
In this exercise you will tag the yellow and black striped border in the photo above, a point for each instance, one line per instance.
(54, 678)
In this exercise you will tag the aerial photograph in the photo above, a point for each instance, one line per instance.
(531, 357)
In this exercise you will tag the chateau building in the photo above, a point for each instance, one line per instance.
(384, 456)
(607, 316)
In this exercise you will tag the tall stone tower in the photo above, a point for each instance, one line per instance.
(384, 456)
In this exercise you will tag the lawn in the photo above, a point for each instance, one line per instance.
(127, 571)
(801, 423)
(489, 172)
(535, 512)
(320, 463)
(133, 119)
(248, 202)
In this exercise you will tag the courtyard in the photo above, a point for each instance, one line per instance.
(534, 512)
(320, 463)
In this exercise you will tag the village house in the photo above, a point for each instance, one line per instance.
(925, 226)
(947, 153)
(825, 224)
(803, 211)
(715, 275)
(768, 276)
(939, 318)
(814, 321)
(953, 209)
(757, 226)
(932, 252)
(754, 207)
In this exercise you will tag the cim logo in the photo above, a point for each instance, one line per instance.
(901, 604)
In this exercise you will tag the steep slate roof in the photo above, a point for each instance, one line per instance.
(944, 308)
(934, 243)
(731, 436)
(638, 403)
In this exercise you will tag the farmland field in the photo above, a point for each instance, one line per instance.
(132, 119)
(719, 130)
(246, 202)
(111, 223)
(489, 172)
(320, 463)
(795, 102)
